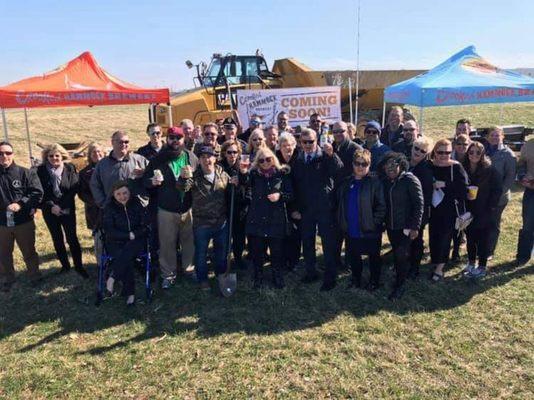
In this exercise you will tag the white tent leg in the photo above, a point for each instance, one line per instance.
(28, 136)
(383, 113)
(350, 100)
(4, 120)
(421, 120)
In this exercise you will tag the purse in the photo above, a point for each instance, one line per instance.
(464, 219)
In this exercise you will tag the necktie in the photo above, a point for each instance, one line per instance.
(308, 158)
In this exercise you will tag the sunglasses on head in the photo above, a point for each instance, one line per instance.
(6, 153)
(443, 152)
(308, 141)
(229, 152)
(360, 164)
(264, 160)
(420, 150)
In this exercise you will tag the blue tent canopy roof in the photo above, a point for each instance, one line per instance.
(465, 78)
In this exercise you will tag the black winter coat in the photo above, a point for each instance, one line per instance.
(93, 213)
(120, 220)
(169, 197)
(371, 202)
(423, 172)
(266, 218)
(345, 152)
(489, 182)
(405, 202)
(69, 187)
(240, 198)
(314, 183)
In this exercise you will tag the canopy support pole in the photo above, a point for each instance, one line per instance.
(28, 136)
(383, 113)
(350, 99)
(421, 120)
(4, 120)
(169, 111)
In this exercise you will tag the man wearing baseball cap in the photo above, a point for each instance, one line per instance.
(230, 132)
(208, 187)
(255, 123)
(174, 206)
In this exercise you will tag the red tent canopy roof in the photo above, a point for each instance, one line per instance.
(80, 82)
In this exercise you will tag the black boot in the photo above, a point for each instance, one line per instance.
(397, 293)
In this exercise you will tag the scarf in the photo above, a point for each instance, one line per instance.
(267, 172)
(55, 177)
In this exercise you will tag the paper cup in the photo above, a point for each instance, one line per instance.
(472, 192)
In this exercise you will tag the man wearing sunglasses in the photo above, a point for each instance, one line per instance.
(372, 143)
(20, 194)
(410, 132)
(230, 132)
(313, 175)
(254, 123)
(174, 217)
(155, 144)
(120, 164)
(210, 133)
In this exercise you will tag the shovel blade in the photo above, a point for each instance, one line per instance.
(227, 284)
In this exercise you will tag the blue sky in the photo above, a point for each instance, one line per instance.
(147, 43)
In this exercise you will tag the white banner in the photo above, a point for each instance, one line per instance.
(299, 103)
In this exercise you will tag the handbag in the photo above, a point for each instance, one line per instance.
(464, 219)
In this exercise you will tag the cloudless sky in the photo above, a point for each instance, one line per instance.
(147, 42)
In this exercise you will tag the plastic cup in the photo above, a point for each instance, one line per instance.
(188, 171)
(472, 192)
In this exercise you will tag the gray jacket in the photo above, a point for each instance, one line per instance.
(504, 161)
(109, 170)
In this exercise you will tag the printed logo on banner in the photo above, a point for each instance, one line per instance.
(299, 103)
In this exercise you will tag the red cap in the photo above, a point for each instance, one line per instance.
(175, 131)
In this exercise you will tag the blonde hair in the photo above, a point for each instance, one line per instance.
(253, 134)
(92, 147)
(264, 152)
(54, 148)
(287, 137)
(439, 143)
(424, 142)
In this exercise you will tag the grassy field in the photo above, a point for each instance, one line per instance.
(457, 340)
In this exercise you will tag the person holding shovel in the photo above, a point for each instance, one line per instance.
(209, 186)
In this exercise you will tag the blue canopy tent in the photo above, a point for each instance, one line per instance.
(465, 78)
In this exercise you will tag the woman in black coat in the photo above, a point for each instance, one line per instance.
(269, 189)
(125, 223)
(361, 211)
(421, 167)
(405, 205)
(486, 181)
(450, 190)
(60, 185)
(231, 151)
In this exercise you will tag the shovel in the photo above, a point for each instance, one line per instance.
(228, 280)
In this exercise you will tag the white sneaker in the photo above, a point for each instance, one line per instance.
(468, 269)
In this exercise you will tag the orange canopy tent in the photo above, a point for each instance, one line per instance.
(80, 82)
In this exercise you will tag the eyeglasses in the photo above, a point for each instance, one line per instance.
(475, 153)
(174, 137)
(408, 130)
(461, 144)
(420, 150)
(259, 139)
(208, 134)
(336, 131)
(308, 141)
(230, 152)
(444, 153)
(6, 153)
(122, 141)
(155, 133)
(371, 132)
(264, 160)
(360, 164)
(54, 156)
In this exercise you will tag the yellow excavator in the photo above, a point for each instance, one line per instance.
(215, 93)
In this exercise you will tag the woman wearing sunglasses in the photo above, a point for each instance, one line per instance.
(231, 151)
(255, 141)
(269, 189)
(483, 197)
(361, 210)
(450, 190)
(421, 167)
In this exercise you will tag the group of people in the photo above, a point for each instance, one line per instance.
(282, 187)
